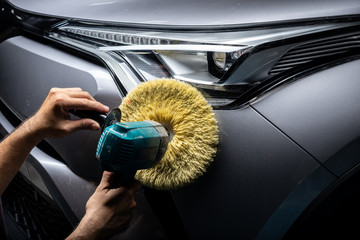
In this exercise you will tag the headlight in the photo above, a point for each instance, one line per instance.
(222, 63)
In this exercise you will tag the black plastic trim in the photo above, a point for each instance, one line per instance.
(35, 214)
(334, 213)
(337, 43)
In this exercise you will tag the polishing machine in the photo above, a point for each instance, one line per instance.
(127, 147)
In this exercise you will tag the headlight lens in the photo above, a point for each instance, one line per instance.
(208, 59)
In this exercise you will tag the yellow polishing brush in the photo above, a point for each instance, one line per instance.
(190, 123)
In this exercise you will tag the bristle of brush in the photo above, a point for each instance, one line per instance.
(184, 110)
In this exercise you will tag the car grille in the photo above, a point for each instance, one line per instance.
(34, 214)
(317, 49)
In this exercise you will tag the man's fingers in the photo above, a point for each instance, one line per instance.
(107, 180)
(83, 104)
(82, 124)
(81, 94)
(76, 98)
(73, 92)
(74, 89)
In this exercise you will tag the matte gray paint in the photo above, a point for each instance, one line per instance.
(321, 113)
(256, 169)
(253, 157)
(191, 12)
(258, 162)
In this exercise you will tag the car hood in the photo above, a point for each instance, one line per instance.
(190, 12)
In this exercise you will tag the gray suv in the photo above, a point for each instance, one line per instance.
(283, 78)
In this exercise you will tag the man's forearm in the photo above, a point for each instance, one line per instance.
(13, 151)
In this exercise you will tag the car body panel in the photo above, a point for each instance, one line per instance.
(261, 164)
(277, 154)
(322, 114)
(198, 13)
(256, 169)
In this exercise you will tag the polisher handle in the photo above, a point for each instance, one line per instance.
(122, 178)
(104, 120)
(98, 117)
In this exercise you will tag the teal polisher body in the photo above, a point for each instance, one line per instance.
(127, 147)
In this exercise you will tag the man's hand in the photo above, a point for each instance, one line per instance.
(108, 211)
(53, 119)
